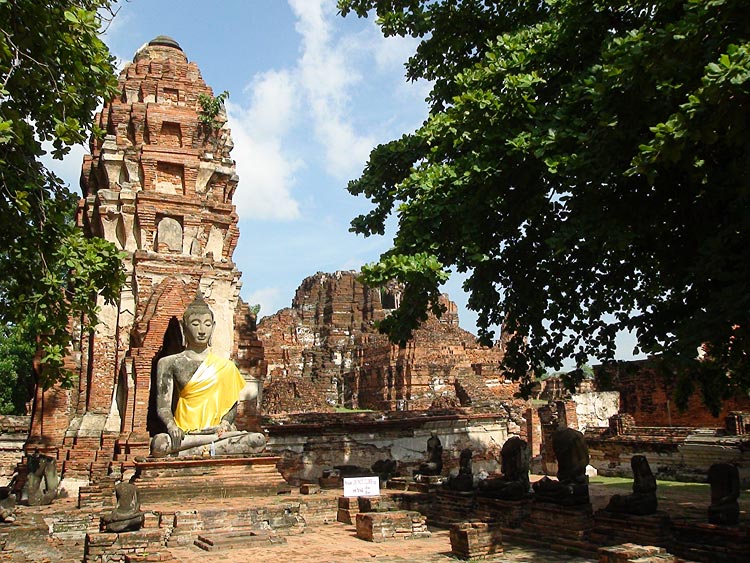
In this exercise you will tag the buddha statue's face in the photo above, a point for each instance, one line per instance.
(198, 330)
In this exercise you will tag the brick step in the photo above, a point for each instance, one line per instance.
(81, 455)
(77, 466)
(577, 546)
(103, 455)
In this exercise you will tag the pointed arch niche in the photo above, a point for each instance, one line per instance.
(155, 334)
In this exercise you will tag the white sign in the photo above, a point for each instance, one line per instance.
(362, 486)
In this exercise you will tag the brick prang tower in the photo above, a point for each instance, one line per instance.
(159, 185)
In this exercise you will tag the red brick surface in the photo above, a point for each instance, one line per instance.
(324, 350)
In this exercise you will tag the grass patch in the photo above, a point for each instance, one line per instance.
(675, 487)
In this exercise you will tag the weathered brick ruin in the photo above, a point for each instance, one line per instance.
(637, 415)
(325, 351)
(646, 393)
(159, 185)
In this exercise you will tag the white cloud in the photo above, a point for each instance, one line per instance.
(393, 52)
(274, 101)
(269, 298)
(327, 74)
(266, 173)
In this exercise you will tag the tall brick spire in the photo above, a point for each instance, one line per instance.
(159, 185)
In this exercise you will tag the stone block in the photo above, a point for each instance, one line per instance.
(348, 507)
(629, 552)
(471, 540)
(381, 526)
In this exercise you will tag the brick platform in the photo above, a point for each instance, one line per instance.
(558, 527)
(508, 513)
(451, 507)
(614, 528)
(106, 547)
(709, 542)
(210, 478)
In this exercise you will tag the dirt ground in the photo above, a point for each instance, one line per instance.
(27, 539)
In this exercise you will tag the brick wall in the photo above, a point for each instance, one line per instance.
(647, 395)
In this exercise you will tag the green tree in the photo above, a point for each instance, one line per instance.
(16, 374)
(54, 71)
(586, 163)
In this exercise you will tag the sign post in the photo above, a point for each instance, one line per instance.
(361, 486)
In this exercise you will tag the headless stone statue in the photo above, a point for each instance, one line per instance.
(464, 481)
(41, 480)
(514, 484)
(725, 490)
(571, 487)
(643, 499)
(434, 463)
(208, 387)
(127, 515)
(384, 469)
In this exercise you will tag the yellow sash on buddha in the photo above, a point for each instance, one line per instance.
(209, 395)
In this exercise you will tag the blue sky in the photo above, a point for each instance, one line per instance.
(311, 93)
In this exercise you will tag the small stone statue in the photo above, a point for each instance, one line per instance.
(209, 388)
(724, 479)
(571, 487)
(514, 484)
(41, 480)
(7, 505)
(643, 499)
(434, 463)
(464, 481)
(127, 515)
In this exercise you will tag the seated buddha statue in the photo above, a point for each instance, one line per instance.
(208, 389)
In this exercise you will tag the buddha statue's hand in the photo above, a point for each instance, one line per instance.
(224, 427)
(176, 434)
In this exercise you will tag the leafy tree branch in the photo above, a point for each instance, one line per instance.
(586, 164)
(54, 71)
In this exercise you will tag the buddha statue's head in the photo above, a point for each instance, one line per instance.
(198, 323)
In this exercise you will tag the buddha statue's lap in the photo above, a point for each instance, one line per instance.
(209, 388)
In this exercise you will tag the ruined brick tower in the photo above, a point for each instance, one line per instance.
(159, 185)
